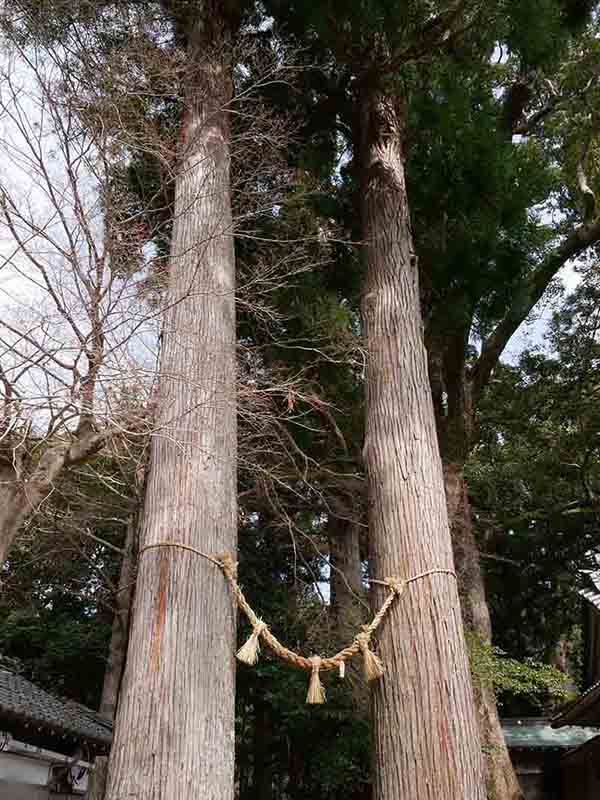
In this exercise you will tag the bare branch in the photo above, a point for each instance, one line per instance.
(527, 295)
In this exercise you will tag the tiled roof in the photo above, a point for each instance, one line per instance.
(536, 733)
(583, 711)
(24, 703)
(591, 592)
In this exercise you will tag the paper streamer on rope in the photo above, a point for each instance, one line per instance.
(248, 652)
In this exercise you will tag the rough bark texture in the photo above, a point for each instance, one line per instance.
(174, 733)
(426, 741)
(501, 780)
(448, 377)
(116, 655)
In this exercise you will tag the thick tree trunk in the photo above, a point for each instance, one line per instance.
(501, 780)
(174, 734)
(346, 586)
(117, 651)
(426, 742)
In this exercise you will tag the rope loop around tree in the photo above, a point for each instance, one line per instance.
(248, 653)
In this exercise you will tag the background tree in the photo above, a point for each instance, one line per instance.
(71, 266)
(483, 265)
(534, 479)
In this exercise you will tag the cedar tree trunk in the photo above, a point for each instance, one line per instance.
(174, 734)
(346, 587)
(447, 348)
(426, 741)
(501, 780)
(347, 594)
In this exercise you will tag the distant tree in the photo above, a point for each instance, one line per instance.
(534, 480)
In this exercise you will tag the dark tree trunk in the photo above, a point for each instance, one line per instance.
(501, 780)
(426, 741)
(116, 654)
(456, 432)
(346, 586)
(174, 735)
(348, 600)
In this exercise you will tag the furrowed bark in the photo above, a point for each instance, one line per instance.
(426, 742)
(501, 780)
(455, 435)
(174, 734)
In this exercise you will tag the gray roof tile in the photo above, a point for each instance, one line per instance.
(24, 702)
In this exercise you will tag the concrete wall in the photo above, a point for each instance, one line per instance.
(24, 774)
(10, 790)
(16, 768)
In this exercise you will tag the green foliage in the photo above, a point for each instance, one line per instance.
(56, 608)
(475, 198)
(530, 679)
(61, 647)
(306, 751)
(473, 229)
(534, 481)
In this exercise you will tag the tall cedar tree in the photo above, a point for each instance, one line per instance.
(462, 295)
(174, 732)
(426, 740)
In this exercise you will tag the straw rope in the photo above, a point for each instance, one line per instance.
(248, 653)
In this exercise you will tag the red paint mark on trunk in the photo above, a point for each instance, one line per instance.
(160, 613)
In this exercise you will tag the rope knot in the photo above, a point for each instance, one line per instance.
(228, 565)
(397, 585)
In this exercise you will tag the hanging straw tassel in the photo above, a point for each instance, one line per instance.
(248, 653)
(316, 690)
(372, 666)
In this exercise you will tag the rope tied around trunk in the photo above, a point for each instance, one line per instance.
(248, 653)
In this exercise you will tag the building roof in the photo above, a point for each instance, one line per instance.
(582, 755)
(591, 591)
(27, 707)
(536, 733)
(583, 711)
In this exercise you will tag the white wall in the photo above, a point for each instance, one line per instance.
(25, 771)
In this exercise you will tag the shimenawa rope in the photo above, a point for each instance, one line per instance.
(248, 653)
